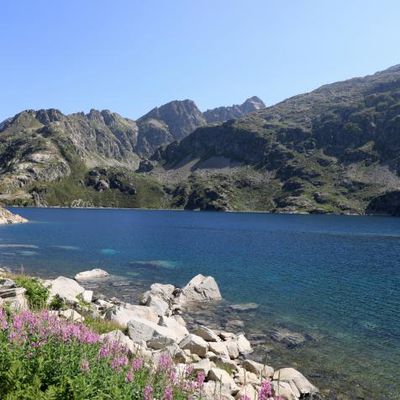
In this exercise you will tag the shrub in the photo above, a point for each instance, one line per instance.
(36, 293)
(57, 303)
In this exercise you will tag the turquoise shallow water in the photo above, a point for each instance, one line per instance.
(336, 278)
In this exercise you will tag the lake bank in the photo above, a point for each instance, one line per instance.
(152, 331)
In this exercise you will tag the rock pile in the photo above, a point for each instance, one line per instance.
(156, 327)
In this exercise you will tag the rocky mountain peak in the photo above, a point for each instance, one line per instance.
(181, 116)
(222, 114)
(252, 104)
(49, 115)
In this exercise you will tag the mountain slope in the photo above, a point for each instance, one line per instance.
(333, 149)
(46, 158)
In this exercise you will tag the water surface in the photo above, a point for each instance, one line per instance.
(333, 278)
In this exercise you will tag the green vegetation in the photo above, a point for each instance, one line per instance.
(42, 357)
(57, 303)
(100, 326)
(36, 293)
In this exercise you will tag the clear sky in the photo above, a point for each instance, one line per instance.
(131, 55)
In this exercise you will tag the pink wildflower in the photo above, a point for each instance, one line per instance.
(3, 319)
(265, 391)
(200, 380)
(119, 362)
(148, 393)
(137, 364)
(164, 362)
(129, 377)
(168, 393)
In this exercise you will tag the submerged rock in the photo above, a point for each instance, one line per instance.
(244, 307)
(289, 338)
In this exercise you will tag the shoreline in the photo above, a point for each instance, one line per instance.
(163, 309)
(202, 211)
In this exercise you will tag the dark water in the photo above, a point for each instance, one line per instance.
(334, 278)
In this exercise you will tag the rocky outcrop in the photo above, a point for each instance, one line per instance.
(7, 217)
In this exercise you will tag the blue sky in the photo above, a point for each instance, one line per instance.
(131, 55)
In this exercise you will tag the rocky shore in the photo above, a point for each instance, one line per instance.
(7, 217)
(157, 325)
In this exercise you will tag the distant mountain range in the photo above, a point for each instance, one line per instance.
(335, 149)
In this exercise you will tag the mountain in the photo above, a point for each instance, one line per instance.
(47, 157)
(166, 124)
(177, 119)
(335, 149)
(222, 114)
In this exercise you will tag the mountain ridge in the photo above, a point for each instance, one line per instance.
(332, 150)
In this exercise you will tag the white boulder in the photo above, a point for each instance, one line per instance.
(87, 296)
(123, 314)
(296, 380)
(223, 377)
(66, 288)
(91, 274)
(257, 368)
(206, 333)
(243, 344)
(71, 315)
(246, 390)
(154, 335)
(200, 288)
(195, 344)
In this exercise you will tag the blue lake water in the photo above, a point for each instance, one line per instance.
(336, 278)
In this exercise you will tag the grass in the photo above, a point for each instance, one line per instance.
(101, 326)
